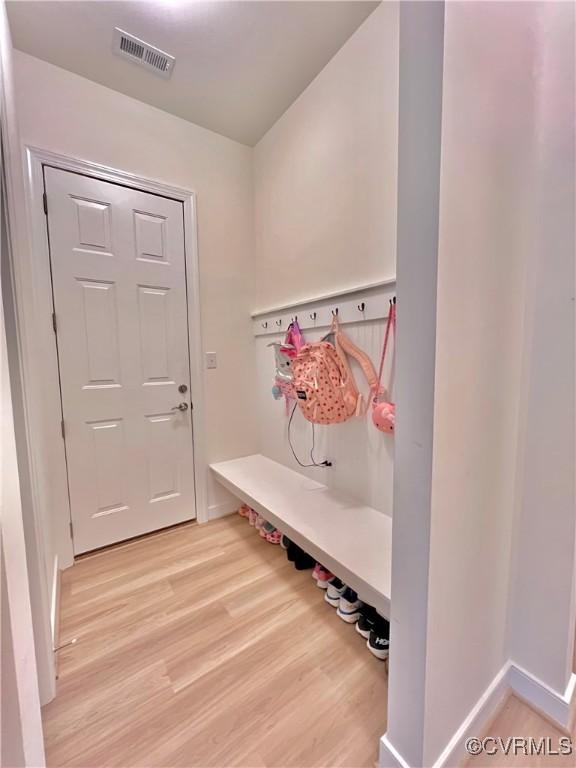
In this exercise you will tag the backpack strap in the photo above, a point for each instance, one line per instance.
(345, 346)
(348, 346)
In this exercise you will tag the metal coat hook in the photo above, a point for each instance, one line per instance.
(335, 312)
(279, 322)
(361, 307)
(265, 325)
(313, 316)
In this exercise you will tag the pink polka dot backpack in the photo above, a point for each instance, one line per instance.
(384, 411)
(324, 384)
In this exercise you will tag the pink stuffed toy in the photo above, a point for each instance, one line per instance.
(384, 416)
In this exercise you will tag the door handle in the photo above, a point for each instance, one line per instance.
(182, 407)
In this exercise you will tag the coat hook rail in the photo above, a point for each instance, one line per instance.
(364, 304)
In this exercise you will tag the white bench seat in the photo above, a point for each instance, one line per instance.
(352, 540)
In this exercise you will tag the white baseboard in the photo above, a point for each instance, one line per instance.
(473, 725)
(558, 708)
(477, 721)
(223, 510)
(55, 603)
(389, 755)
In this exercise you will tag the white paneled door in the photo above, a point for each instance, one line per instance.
(119, 281)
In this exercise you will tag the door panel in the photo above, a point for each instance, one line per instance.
(163, 479)
(119, 281)
(93, 224)
(150, 236)
(99, 324)
(108, 456)
(153, 308)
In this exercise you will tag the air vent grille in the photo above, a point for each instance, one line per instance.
(136, 50)
(156, 60)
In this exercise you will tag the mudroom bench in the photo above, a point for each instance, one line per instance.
(352, 540)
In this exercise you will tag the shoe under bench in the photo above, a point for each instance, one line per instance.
(350, 539)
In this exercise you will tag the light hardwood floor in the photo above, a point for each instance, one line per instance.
(518, 719)
(202, 646)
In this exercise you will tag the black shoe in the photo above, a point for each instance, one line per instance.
(366, 620)
(301, 559)
(292, 551)
(284, 542)
(379, 641)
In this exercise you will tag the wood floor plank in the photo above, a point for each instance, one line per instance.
(517, 719)
(203, 646)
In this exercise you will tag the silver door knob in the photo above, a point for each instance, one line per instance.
(182, 407)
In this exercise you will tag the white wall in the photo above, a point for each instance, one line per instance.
(487, 141)
(70, 115)
(505, 384)
(421, 40)
(21, 737)
(31, 503)
(325, 174)
(543, 601)
(325, 213)
(499, 585)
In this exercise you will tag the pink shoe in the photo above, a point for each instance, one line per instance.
(252, 517)
(266, 529)
(324, 578)
(274, 537)
(244, 511)
(316, 571)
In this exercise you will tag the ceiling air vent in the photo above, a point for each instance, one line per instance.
(142, 53)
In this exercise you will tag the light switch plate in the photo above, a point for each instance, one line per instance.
(211, 361)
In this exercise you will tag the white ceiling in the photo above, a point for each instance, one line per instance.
(239, 65)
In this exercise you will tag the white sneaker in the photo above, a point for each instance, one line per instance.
(334, 592)
(349, 606)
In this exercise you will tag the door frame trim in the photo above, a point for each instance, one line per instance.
(43, 357)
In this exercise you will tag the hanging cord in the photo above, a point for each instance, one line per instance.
(391, 323)
(314, 462)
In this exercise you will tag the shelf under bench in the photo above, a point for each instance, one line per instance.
(350, 539)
